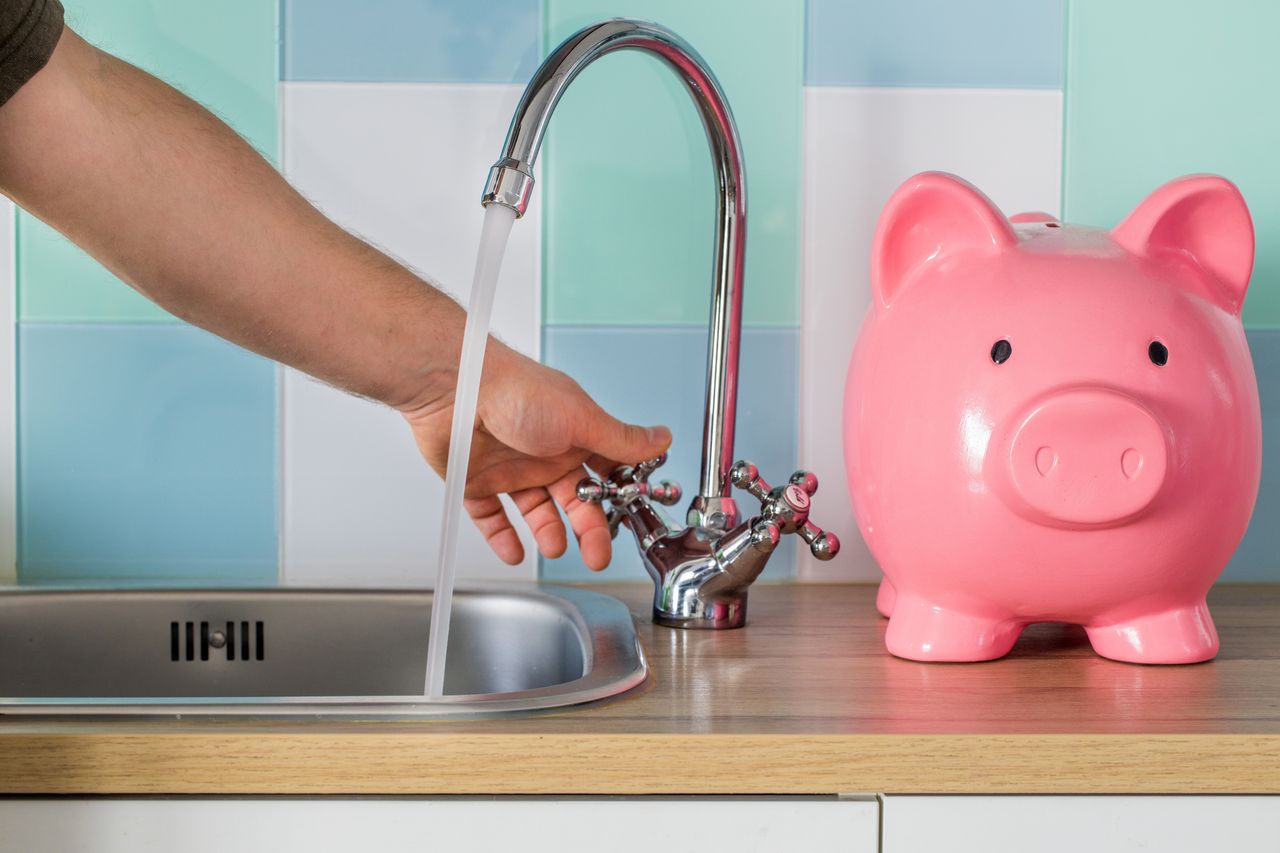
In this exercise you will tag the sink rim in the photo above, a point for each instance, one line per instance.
(603, 621)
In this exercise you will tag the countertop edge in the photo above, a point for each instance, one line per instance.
(325, 763)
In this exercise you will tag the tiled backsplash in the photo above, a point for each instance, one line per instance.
(150, 450)
(142, 448)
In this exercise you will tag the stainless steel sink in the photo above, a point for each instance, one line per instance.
(308, 653)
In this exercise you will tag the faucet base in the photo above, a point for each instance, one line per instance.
(703, 615)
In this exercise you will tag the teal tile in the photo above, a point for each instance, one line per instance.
(223, 55)
(1255, 559)
(627, 189)
(1002, 44)
(768, 407)
(401, 41)
(144, 452)
(1154, 91)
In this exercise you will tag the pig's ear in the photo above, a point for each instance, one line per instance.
(1200, 217)
(930, 217)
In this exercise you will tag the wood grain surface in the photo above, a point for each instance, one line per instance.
(804, 700)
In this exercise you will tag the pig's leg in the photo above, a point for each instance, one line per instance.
(885, 597)
(920, 630)
(1181, 635)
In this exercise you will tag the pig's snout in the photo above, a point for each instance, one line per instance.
(1087, 456)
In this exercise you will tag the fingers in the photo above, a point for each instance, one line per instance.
(603, 467)
(587, 520)
(511, 472)
(604, 435)
(540, 513)
(491, 518)
(538, 506)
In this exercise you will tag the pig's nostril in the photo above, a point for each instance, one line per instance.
(1131, 463)
(1046, 458)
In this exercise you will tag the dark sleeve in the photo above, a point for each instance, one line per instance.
(29, 30)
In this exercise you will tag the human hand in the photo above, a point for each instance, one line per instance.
(536, 429)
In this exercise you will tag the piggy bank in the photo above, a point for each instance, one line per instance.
(1048, 422)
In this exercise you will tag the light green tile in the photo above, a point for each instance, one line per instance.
(1157, 89)
(627, 130)
(223, 54)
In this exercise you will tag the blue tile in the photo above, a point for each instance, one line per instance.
(422, 41)
(993, 44)
(673, 362)
(145, 452)
(1256, 558)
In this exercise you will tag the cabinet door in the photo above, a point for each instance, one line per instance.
(319, 825)
(1100, 824)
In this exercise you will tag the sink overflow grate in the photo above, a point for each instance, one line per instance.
(239, 642)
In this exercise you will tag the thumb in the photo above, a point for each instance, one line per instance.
(606, 436)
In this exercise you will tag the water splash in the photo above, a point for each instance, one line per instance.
(493, 244)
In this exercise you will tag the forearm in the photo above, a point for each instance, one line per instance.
(176, 204)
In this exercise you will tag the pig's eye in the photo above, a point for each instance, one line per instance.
(1000, 351)
(1158, 353)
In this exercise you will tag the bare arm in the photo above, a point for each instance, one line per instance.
(173, 202)
(177, 205)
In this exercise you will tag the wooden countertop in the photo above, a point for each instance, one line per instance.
(804, 700)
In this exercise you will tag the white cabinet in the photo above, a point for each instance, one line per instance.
(1103, 824)
(911, 824)
(321, 825)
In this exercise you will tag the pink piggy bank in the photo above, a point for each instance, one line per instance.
(1054, 423)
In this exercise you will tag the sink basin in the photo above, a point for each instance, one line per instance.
(308, 652)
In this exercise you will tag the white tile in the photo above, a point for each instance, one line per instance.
(401, 165)
(360, 507)
(860, 144)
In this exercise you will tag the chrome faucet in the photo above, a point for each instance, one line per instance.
(702, 571)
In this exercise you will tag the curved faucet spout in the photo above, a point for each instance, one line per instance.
(510, 183)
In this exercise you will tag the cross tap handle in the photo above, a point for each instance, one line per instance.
(627, 483)
(787, 506)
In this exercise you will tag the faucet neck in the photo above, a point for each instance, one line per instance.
(511, 181)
